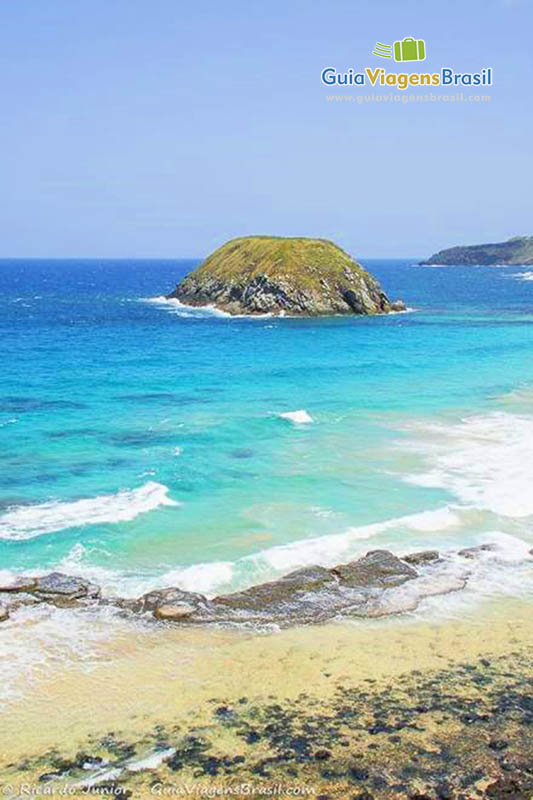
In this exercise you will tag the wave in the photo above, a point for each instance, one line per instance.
(505, 568)
(300, 417)
(12, 421)
(26, 522)
(486, 461)
(407, 310)
(182, 310)
(523, 276)
(37, 637)
(216, 577)
(175, 306)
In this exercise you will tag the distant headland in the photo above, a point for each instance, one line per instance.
(283, 275)
(518, 250)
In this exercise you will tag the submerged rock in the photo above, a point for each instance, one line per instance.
(277, 275)
(472, 552)
(423, 557)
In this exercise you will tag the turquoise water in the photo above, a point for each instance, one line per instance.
(143, 443)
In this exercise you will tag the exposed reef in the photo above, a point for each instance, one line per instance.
(377, 585)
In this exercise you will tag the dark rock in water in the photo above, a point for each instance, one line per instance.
(242, 452)
(184, 603)
(359, 773)
(63, 589)
(472, 552)
(176, 612)
(302, 595)
(278, 275)
(398, 305)
(498, 744)
(370, 586)
(4, 613)
(422, 557)
(307, 579)
(314, 594)
(378, 568)
(444, 791)
(511, 788)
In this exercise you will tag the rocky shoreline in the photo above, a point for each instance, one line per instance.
(518, 251)
(377, 585)
(298, 276)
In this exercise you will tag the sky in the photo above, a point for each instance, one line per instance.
(161, 128)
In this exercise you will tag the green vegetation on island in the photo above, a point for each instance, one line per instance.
(518, 251)
(279, 275)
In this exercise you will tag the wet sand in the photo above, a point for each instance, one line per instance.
(393, 708)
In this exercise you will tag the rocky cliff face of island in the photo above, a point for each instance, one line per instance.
(275, 275)
(518, 251)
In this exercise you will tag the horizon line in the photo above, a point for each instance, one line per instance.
(156, 258)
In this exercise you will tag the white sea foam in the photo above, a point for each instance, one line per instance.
(332, 549)
(5, 422)
(523, 276)
(38, 639)
(212, 578)
(175, 306)
(300, 417)
(208, 578)
(26, 522)
(495, 570)
(484, 460)
(172, 304)
(407, 310)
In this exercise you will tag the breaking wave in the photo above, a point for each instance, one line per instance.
(28, 521)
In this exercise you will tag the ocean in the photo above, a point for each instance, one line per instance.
(146, 444)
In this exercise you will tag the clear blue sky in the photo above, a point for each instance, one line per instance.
(162, 128)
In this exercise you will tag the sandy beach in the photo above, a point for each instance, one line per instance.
(391, 708)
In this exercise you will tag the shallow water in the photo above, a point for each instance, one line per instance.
(147, 444)
(145, 676)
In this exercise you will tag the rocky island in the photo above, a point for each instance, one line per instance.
(518, 251)
(278, 275)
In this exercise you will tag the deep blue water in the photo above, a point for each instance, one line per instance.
(143, 441)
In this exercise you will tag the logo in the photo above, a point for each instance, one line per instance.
(407, 49)
(404, 50)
